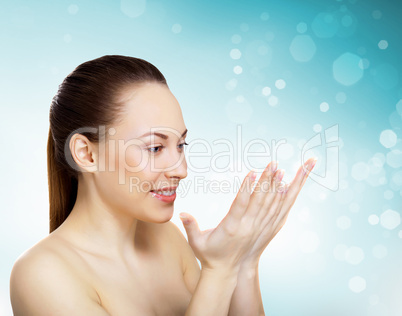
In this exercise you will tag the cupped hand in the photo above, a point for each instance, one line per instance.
(276, 204)
(251, 223)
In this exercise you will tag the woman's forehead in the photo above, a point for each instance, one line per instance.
(152, 108)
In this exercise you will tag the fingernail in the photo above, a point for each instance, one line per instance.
(312, 164)
(279, 175)
(253, 175)
(308, 166)
(274, 165)
(184, 218)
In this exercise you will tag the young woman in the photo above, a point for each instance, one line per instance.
(115, 160)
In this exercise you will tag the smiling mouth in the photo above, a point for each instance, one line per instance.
(164, 196)
(165, 193)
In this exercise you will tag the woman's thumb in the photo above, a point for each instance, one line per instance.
(190, 225)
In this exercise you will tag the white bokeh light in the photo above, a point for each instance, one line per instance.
(354, 255)
(324, 107)
(388, 138)
(301, 28)
(273, 100)
(376, 14)
(390, 219)
(346, 69)
(343, 222)
(264, 16)
(280, 84)
(302, 48)
(235, 53)
(133, 8)
(373, 219)
(325, 25)
(236, 39)
(383, 44)
(266, 91)
(73, 9)
(317, 128)
(357, 284)
(341, 97)
(364, 63)
(231, 84)
(237, 70)
(176, 28)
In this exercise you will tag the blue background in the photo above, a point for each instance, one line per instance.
(276, 69)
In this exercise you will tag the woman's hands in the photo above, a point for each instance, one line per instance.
(251, 223)
(277, 204)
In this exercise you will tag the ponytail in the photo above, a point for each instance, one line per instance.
(62, 188)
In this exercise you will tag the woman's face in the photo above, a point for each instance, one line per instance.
(136, 164)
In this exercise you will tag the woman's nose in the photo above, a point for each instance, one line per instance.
(177, 166)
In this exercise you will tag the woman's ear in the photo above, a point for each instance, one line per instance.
(83, 153)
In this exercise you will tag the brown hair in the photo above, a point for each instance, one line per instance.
(86, 98)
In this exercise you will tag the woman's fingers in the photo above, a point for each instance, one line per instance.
(271, 200)
(300, 178)
(266, 207)
(281, 211)
(265, 186)
(241, 201)
(278, 206)
(296, 185)
(273, 204)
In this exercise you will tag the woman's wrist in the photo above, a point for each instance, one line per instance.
(224, 273)
(249, 263)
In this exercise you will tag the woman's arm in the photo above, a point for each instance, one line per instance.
(213, 292)
(246, 299)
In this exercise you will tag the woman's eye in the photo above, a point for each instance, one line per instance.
(155, 151)
(182, 145)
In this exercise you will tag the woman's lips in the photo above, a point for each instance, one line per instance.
(164, 198)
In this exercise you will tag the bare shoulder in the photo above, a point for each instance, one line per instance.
(44, 283)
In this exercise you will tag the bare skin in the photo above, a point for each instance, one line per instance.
(151, 284)
(117, 253)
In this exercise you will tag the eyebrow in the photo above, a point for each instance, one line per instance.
(161, 135)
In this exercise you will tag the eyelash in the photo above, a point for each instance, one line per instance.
(155, 152)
